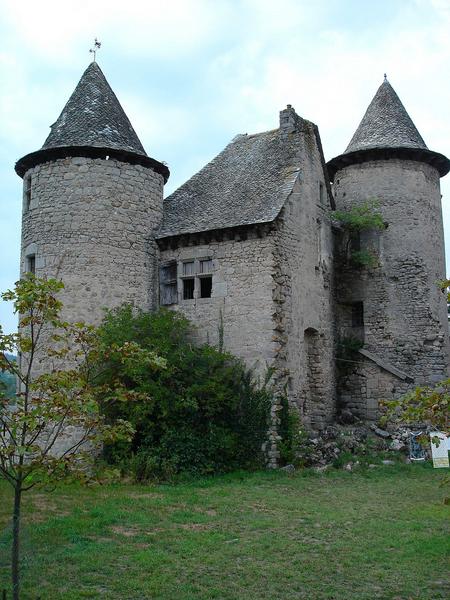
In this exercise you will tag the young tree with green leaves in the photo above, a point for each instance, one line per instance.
(423, 406)
(35, 448)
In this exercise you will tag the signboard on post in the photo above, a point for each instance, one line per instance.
(439, 449)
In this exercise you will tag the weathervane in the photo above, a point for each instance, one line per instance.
(96, 47)
(385, 76)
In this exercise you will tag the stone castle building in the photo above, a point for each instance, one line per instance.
(247, 247)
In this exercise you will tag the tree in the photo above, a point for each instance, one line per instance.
(34, 447)
(206, 412)
(423, 406)
(8, 381)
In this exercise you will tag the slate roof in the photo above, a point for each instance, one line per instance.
(94, 117)
(387, 131)
(92, 124)
(247, 183)
(386, 124)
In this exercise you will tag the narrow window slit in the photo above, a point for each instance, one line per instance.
(357, 314)
(27, 194)
(31, 264)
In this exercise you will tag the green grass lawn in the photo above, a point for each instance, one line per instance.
(382, 533)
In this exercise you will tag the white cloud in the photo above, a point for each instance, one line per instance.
(228, 67)
(56, 29)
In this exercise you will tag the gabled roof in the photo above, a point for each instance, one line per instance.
(247, 183)
(93, 116)
(387, 131)
(386, 124)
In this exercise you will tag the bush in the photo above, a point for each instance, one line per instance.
(204, 412)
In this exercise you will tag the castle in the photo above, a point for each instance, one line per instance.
(247, 249)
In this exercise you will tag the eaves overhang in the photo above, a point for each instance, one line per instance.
(440, 162)
(50, 154)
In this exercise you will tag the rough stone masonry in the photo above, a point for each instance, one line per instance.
(247, 247)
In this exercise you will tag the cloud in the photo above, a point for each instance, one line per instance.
(191, 74)
(54, 30)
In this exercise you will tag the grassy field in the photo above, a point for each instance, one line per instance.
(382, 533)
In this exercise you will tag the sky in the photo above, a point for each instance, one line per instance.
(193, 74)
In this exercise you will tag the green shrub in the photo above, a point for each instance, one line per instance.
(364, 258)
(353, 221)
(204, 412)
(361, 217)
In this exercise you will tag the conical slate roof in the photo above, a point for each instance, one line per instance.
(386, 124)
(93, 116)
(92, 124)
(387, 131)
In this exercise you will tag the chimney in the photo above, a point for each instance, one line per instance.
(289, 121)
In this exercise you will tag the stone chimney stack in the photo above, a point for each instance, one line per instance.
(290, 121)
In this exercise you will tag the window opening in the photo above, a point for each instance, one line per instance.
(205, 287)
(168, 284)
(31, 264)
(188, 268)
(320, 192)
(188, 288)
(206, 265)
(357, 314)
(27, 193)
(355, 241)
(186, 280)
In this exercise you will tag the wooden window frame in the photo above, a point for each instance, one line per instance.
(196, 274)
(168, 286)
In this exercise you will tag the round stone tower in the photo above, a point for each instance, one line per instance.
(92, 203)
(395, 307)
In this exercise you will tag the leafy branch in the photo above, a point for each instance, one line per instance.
(58, 417)
(362, 217)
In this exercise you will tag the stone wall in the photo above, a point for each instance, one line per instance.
(303, 294)
(405, 316)
(91, 222)
(241, 300)
(272, 287)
